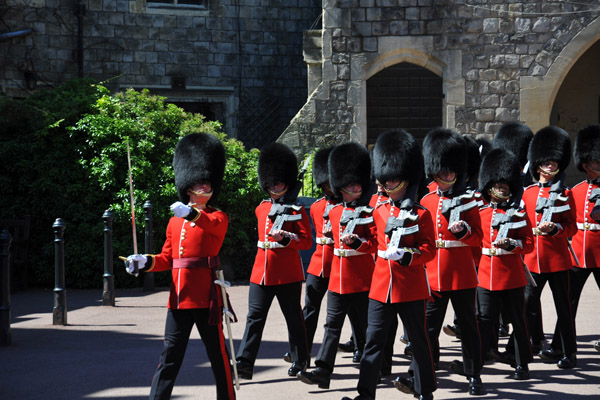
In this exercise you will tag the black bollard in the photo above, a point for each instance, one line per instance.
(148, 276)
(108, 295)
(5, 332)
(59, 313)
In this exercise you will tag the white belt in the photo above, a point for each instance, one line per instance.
(269, 245)
(381, 253)
(495, 251)
(347, 252)
(588, 227)
(443, 244)
(324, 240)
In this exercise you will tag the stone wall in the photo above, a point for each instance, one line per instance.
(246, 53)
(485, 51)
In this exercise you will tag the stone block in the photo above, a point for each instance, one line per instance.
(491, 25)
(485, 115)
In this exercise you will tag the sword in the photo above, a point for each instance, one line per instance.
(228, 318)
(135, 249)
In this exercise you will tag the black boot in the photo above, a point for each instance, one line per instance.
(287, 357)
(357, 356)
(320, 376)
(521, 373)
(244, 368)
(567, 362)
(297, 367)
(405, 385)
(476, 386)
(550, 356)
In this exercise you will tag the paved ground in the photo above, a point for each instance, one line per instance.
(111, 353)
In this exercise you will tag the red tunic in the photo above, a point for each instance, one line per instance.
(453, 268)
(280, 265)
(551, 253)
(191, 287)
(404, 282)
(320, 262)
(352, 274)
(503, 272)
(586, 242)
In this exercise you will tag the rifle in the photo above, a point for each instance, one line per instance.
(279, 211)
(327, 224)
(546, 205)
(595, 197)
(395, 229)
(455, 207)
(351, 218)
(502, 222)
(229, 318)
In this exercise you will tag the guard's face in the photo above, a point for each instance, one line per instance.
(277, 190)
(499, 192)
(201, 192)
(592, 169)
(351, 192)
(395, 189)
(548, 169)
(445, 180)
(326, 188)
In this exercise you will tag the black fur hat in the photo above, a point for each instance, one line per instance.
(500, 165)
(515, 137)
(320, 170)
(348, 163)
(445, 150)
(397, 156)
(485, 145)
(474, 161)
(549, 144)
(587, 146)
(198, 156)
(277, 163)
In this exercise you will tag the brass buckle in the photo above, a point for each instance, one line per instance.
(586, 226)
(537, 231)
(493, 251)
(440, 244)
(322, 241)
(267, 245)
(342, 253)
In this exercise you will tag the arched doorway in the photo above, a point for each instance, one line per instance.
(577, 103)
(404, 96)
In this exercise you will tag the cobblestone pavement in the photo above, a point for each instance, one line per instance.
(111, 353)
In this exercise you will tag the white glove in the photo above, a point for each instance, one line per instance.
(180, 210)
(394, 253)
(130, 265)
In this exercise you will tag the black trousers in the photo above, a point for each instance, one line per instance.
(559, 284)
(578, 278)
(512, 302)
(260, 298)
(337, 309)
(178, 327)
(381, 320)
(463, 302)
(316, 288)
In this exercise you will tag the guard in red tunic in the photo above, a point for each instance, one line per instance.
(354, 244)
(317, 278)
(283, 230)
(551, 212)
(194, 237)
(507, 236)
(452, 275)
(586, 242)
(405, 242)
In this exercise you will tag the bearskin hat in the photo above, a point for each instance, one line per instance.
(277, 163)
(549, 144)
(500, 165)
(587, 146)
(474, 161)
(485, 145)
(397, 156)
(348, 163)
(320, 170)
(515, 137)
(198, 157)
(445, 150)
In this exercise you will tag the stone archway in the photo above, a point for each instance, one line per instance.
(538, 93)
(414, 50)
